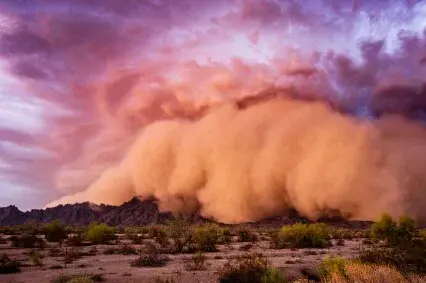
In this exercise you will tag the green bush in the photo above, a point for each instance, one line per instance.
(100, 234)
(304, 236)
(54, 232)
(8, 265)
(398, 244)
(181, 234)
(250, 269)
(206, 237)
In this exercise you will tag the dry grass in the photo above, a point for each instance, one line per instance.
(364, 273)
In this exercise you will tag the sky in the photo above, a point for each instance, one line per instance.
(80, 78)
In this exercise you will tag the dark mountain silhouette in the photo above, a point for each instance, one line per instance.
(135, 212)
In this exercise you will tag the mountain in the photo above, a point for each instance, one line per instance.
(136, 212)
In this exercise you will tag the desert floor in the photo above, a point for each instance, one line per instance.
(116, 268)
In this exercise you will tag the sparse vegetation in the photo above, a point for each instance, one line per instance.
(78, 278)
(302, 236)
(396, 244)
(55, 232)
(150, 257)
(250, 268)
(245, 234)
(8, 265)
(27, 241)
(207, 237)
(100, 234)
(36, 258)
(197, 262)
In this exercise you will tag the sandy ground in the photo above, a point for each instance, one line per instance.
(116, 268)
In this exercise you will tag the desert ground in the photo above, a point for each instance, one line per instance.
(115, 261)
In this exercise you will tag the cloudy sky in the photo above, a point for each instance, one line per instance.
(80, 78)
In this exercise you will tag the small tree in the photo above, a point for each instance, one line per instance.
(100, 233)
(55, 231)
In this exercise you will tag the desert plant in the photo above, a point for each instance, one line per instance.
(100, 233)
(27, 241)
(8, 265)
(150, 257)
(304, 236)
(197, 262)
(250, 268)
(36, 258)
(78, 278)
(226, 236)
(181, 234)
(245, 234)
(396, 244)
(164, 280)
(55, 231)
(332, 265)
(75, 240)
(206, 237)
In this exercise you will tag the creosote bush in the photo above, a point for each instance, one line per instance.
(252, 268)
(55, 231)
(302, 236)
(100, 233)
(8, 265)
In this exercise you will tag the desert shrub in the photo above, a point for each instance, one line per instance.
(226, 236)
(181, 234)
(250, 268)
(164, 280)
(304, 236)
(135, 238)
(110, 251)
(71, 254)
(246, 247)
(245, 234)
(75, 240)
(197, 262)
(36, 258)
(2, 241)
(8, 265)
(344, 234)
(78, 278)
(54, 231)
(27, 241)
(356, 272)
(55, 252)
(206, 237)
(100, 234)
(159, 234)
(397, 245)
(332, 265)
(150, 257)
